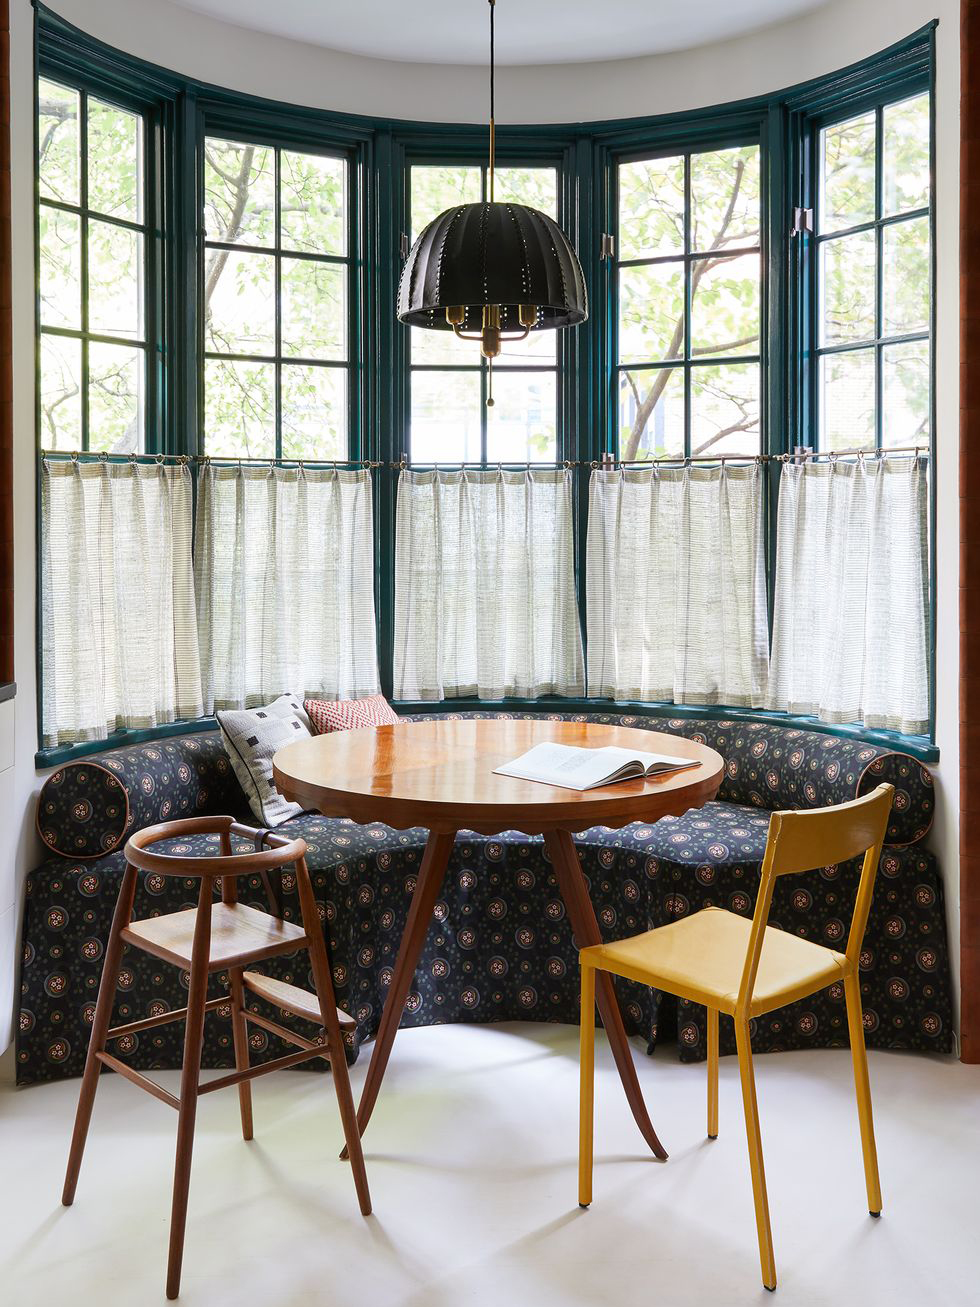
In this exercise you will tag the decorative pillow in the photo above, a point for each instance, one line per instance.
(348, 714)
(251, 737)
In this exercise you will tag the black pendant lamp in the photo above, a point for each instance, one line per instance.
(492, 272)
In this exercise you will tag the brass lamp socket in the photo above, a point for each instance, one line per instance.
(527, 315)
(490, 342)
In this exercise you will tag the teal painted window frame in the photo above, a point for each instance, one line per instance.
(183, 110)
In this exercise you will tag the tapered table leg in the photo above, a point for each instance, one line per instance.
(585, 928)
(432, 872)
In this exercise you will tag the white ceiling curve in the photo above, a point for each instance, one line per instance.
(527, 31)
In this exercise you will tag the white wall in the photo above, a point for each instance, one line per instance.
(841, 33)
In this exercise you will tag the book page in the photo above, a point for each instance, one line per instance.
(565, 765)
(574, 769)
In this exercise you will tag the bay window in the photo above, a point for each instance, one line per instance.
(450, 381)
(276, 302)
(688, 281)
(92, 294)
(216, 285)
(873, 273)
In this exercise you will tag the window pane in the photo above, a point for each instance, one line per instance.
(538, 347)
(61, 392)
(439, 187)
(239, 192)
(314, 412)
(240, 303)
(725, 306)
(725, 409)
(905, 393)
(847, 281)
(115, 398)
(442, 347)
(906, 155)
(115, 280)
(115, 161)
(651, 413)
(725, 198)
(445, 417)
(58, 153)
(314, 309)
(239, 409)
(907, 277)
(847, 191)
(847, 400)
(61, 285)
(651, 312)
(521, 425)
(313, 210)
(537, 187)
(651, 208)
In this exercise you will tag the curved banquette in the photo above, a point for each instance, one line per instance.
(498, 947)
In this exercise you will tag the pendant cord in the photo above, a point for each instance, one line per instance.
(493, 8)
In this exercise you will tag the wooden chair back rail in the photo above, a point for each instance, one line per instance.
(223, 936)
(802, 841)
(281, 852)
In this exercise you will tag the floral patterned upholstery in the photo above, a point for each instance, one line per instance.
(499, 947)
(88, 808)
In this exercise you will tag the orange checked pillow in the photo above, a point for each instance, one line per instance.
(348, 714)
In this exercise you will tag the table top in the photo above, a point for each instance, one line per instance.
(439, 774)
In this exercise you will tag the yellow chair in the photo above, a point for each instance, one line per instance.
(745, 968)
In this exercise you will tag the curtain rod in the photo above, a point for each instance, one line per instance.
(102, 456)
(403, 465)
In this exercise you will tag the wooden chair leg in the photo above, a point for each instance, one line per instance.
(189, 1081)
(756, 1166)
(239, 1028)
(586, 1086)
(855, 1025)
(712, 1073)
(323, 983)
(100, 1025)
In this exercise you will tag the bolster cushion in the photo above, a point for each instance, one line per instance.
(90, 807)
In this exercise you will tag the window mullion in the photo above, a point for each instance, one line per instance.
(688, 264)
(83, 258)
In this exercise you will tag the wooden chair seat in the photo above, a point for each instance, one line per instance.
(701, 958)
(240, 936)
(292, 999)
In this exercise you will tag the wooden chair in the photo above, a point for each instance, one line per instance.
(745, 968)
(226, 936)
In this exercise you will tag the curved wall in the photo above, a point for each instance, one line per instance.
(778, 56)
(842, 33)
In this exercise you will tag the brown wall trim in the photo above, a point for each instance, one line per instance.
(6, 368)
(969, 529)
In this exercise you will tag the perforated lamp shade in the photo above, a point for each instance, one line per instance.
(476, 256)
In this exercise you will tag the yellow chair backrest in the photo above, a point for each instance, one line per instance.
(803, 841)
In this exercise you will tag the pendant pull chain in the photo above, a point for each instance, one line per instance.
(492, 141)
(490, 379)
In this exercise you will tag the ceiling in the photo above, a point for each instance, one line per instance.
(528, 31)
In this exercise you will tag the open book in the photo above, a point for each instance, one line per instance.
(587, 769)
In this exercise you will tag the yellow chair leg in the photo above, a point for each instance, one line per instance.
(586, 1086)
(756, 1166)
(855, 1025)
(712, 1073)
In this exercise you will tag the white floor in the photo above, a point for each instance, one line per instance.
(471, 1157)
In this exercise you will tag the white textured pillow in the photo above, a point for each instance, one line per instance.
(251, 737)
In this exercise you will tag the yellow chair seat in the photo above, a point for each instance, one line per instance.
(702, 958)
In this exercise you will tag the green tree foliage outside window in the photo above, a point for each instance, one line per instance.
(275, 303)
(874, 281)
(92, 242)
(688, 283)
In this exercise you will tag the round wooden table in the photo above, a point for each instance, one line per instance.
(439, 774)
